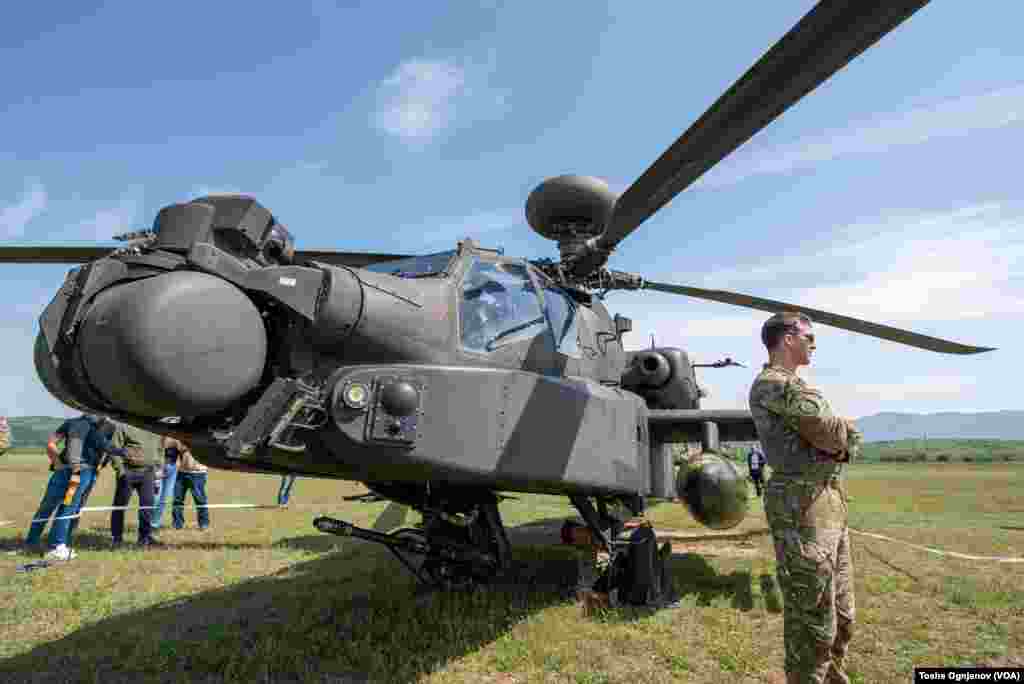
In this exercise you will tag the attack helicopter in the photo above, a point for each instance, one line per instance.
(437, 380)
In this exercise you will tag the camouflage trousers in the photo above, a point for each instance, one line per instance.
(808, 520)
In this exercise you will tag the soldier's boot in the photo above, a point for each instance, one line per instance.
(837, 672)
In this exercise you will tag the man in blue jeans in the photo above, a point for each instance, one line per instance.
(191, 476)
(170, 474)
(74, 471)
(285, 490)
(136, 472)
(106, 426)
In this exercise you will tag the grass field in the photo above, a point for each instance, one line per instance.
(262, 596)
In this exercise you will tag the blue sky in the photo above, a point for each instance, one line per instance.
(891, 193)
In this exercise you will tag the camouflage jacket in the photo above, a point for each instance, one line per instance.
(800, 435)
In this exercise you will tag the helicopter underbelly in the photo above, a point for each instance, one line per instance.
(498, 428)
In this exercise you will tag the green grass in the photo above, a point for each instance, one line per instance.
(941, 451)
(265, 597)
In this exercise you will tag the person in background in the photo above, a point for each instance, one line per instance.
(170, 477)
(137, 471)
(191, 477)
(285, 491)
(106, 427)
(74, 468)
(755, 461)
(5, 435)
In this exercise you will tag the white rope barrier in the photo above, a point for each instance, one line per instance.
(95, 509)
(940, 552)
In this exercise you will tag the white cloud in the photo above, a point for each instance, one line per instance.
(417, 100)
(952, 118)
(14, 218)
(423, 97)
(921, 272)
(962, 264)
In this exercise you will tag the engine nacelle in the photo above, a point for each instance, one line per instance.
(180, 343)
(663, 377)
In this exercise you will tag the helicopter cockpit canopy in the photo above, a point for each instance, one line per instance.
(499, 304)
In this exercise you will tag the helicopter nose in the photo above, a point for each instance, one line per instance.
(177, 344)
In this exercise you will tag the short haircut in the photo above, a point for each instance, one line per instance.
(781, 324)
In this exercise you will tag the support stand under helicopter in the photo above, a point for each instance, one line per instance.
(458, 549)
(469, 548)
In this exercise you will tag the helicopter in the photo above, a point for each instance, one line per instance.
(439, 381)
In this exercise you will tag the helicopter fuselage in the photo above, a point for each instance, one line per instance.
(513, 382)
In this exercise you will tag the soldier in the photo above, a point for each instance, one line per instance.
(806, 503)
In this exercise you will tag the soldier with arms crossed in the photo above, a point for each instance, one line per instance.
(806, 503)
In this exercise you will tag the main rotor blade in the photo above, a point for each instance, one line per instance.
(353, 259)
(828, 37)
(52, 254)
(81, 254)
(856, 325)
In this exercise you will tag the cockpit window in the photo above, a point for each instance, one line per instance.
(562, 312)
(415, 267)
(499, 305)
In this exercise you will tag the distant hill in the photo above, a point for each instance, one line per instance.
(991, 425)
(32, 431)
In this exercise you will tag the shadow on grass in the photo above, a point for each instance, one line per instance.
(82, 539)
(693, 576)
(314, 543)
(696, 582)
(346, 616)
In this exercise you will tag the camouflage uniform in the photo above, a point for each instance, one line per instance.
(806, 507)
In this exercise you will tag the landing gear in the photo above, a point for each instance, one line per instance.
(636, 570)
(457, 550)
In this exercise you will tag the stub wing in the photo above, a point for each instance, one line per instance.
(688, 425)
